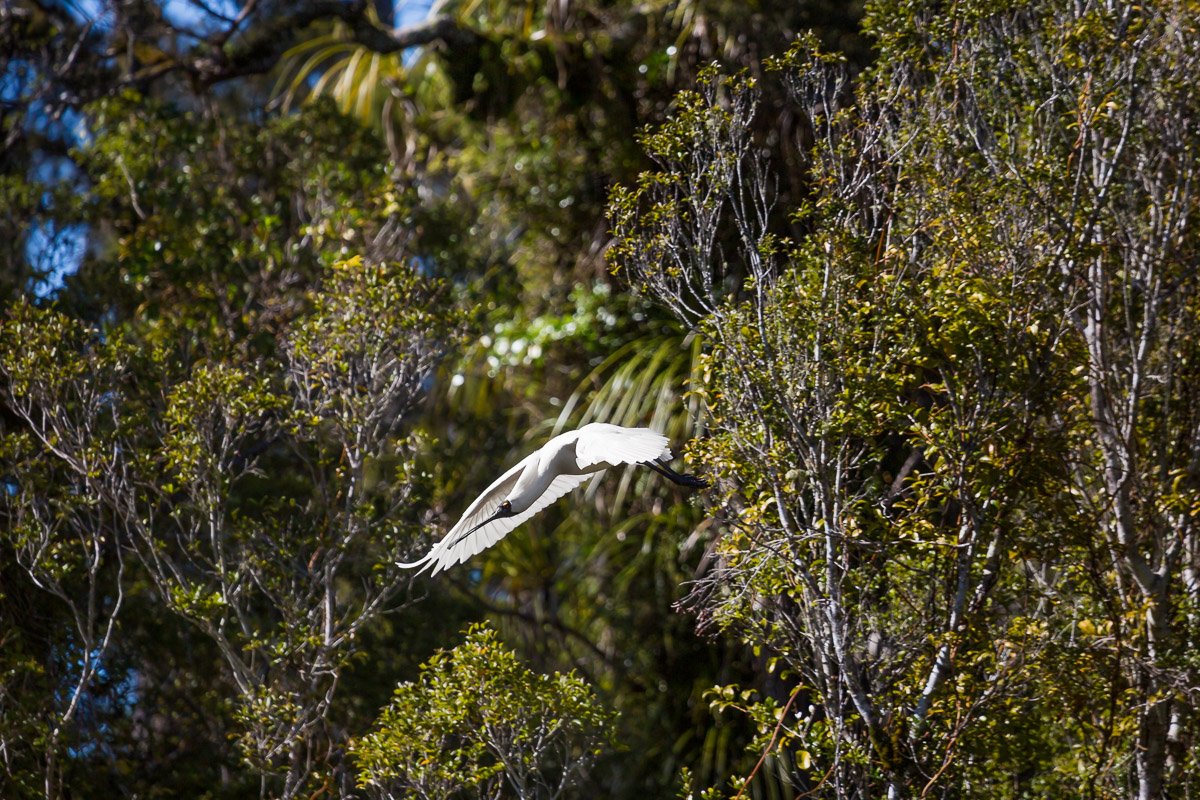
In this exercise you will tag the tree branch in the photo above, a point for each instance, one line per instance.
(264, 43)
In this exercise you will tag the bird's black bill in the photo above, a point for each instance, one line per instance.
(690, 481)
(498, 515)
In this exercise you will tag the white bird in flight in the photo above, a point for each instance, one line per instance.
(542, 477)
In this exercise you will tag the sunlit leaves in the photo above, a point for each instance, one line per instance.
(266, 502)
(892, 403)
(671, 230)
(213, 230)
(359, 360)
(210, 420)
(478, 722)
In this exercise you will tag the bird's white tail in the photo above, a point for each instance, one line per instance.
(425, 562)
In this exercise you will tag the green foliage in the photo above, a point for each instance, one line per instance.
(936, 325)
(477, 723)
(373, 335)
(670, 231)
(282, 575)
(904, 403)
(212, 230)
(521, 121)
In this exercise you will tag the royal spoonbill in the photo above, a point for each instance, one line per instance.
(542, 477)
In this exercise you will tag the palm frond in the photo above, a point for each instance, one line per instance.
(358, 79)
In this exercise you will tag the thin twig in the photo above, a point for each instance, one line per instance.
(770, 744)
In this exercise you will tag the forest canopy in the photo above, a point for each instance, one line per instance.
(911, 285)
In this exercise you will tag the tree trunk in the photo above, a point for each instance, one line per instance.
(1155, 717)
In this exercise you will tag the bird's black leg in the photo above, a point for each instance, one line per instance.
(690, 481)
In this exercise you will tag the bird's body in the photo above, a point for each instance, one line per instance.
(542, 477)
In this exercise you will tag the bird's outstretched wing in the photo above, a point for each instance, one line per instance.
(455, 547)
(494, 531)
(480, 509)
(601, 443)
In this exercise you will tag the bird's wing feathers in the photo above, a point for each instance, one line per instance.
(488, 501)
(480, 509)
(600, 443)
(495, 530)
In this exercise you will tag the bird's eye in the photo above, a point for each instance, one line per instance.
(506, 506)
